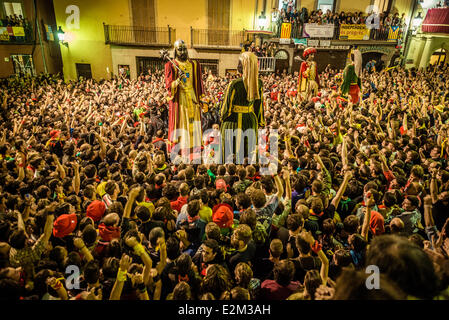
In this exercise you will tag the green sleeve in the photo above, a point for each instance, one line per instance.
(348, 76)
(227, 103)
(258, 107)
(280, 220)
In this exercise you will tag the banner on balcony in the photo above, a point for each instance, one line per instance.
(300, 42)
(11, 32)
(18, 31)
(4, 36)
(286, 30)
(393, 33)
(315, 30)
(354, 32)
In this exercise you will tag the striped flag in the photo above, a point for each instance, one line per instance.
(286, 30)
(393, 33)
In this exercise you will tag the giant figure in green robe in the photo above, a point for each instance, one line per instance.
(242, 113)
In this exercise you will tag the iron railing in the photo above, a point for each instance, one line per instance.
(267, 64)
(139, 36)
(216, 38)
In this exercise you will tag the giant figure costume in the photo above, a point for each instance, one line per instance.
(308, 75)
(185, 91)
(242, 113)
(352, 78)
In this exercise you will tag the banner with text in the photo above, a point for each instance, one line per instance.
(4, 36)
(354, 32)
(315, 30)
(7, 32)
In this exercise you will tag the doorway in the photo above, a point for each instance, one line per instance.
(439, 57)
(377, 57)
(282, 61)
(83, 70)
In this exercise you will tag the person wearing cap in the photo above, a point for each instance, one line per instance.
(96, 210)
(308, 75)
(223, 216)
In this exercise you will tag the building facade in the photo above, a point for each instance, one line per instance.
(28, 41)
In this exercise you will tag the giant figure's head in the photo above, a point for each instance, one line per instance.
(181, 50)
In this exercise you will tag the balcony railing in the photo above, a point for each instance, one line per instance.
(220, 39)
(139, 36)
(16, 35)
(267, 64)
(352, 32)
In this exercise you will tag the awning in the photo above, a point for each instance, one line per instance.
(436, 21)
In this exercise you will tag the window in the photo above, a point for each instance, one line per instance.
(23, 64)
(13, 8)
(325, 5)
(148, 65)
(383, 5)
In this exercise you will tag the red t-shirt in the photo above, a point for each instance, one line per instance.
(178, 203)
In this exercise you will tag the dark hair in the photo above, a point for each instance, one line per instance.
(92, 272)
(155, 234)
(173, 249)
(294, 221)
(351, 285)
(283, 272)
(17, 239)
(405, 263)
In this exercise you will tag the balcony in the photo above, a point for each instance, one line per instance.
(139, 36)
(216, 39)
(266, 64)
(16, 35)
(345, 34)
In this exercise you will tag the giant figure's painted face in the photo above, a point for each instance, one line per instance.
(181, 50)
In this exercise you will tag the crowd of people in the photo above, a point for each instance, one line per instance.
(289, 14)
(93, 208)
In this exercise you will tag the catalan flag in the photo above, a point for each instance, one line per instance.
(286, 30)
(393, 33)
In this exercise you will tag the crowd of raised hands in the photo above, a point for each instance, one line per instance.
(87, 184)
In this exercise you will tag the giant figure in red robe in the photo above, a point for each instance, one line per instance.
(185, 88)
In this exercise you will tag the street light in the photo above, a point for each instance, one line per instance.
(61, 37)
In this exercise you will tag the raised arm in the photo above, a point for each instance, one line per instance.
(116, 292)
(131, 199)
(102, 146)
(59, 167)
(79, 244)
(76, 178)
(342, 189)
(317, 248)
(365, 227)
